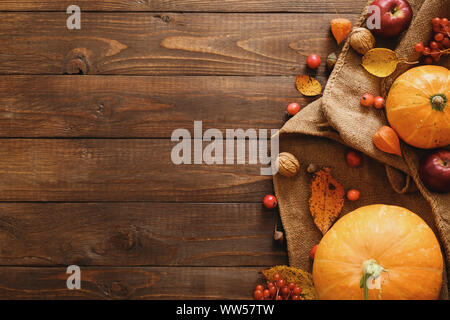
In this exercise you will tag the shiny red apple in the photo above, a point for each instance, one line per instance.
(435, 171)
(396, 15)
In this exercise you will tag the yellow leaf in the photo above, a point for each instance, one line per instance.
(308, 86)
(380, 62)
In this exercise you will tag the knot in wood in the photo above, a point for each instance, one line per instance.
(125, 240)
(77, 62)
(118, 290)
(164, 18)
(76, 66)
(102, 111)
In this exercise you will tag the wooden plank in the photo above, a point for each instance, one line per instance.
(332, 6)
(144, 107)
(137, 234)
(130, 283)
(170, 44)
(119, 170)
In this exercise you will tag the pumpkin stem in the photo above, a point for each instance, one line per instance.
(371, 270)
(438, 101)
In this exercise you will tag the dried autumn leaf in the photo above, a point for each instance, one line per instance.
(301, 278)
(340, 29)
(327, 199)
(380, 62)
(308, 86)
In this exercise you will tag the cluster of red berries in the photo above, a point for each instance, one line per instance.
(439, 44)
(279, 289)
(368, 100)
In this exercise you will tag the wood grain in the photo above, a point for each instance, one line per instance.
(140, 107)
(164, 44)
(119, 170)
(137, 234)
(130, 283)
(332, 6)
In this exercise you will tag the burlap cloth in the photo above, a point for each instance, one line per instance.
(324, 130)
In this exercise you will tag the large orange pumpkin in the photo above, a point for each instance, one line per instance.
(418, 107)
(390, 243)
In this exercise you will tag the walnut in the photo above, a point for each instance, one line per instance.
(362, 40)
(288, 164)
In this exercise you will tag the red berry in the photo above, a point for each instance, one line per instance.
(439, 37)
(312, 253)
(379, 103)
(258, 294)
(444, 22)
(281, 283)
(285, 291)
(353, 195)
(419, 47)
(313, 61)
(434, 53)
(276, 277)
(437, 58)
(353, 158)
(273, 291)
(291, 286)
(270, 284)
(266, 293)
(279, 298)
(434, 45)
(367, 100)
(446, 43)
(295, 297)
(259, 287)
(270, 201)
(297, 291)
(428, 60)
(426, 51)
(437, 28)
(436, 21)
(293, 109)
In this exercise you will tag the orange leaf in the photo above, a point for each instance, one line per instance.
(308, 86)
(340, 29)
(327, 199)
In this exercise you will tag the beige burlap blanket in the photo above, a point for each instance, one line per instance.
(324, 131)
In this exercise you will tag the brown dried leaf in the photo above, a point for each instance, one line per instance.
(327, 199)
(308, 86)
(301, 278)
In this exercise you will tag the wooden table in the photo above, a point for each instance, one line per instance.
(86, 118)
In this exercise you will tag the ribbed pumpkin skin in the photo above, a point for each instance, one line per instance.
(410, 112)
(399, 240)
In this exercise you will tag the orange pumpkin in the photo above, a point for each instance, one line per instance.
(418, 107)
(391, 247)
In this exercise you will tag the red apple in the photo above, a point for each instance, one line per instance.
(435, 171)
(396, 15)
